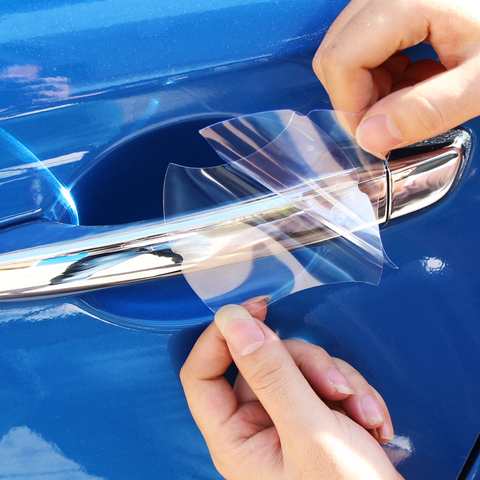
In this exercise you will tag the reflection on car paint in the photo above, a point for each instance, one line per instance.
(30, 83)
(433, 265)
(26, 454)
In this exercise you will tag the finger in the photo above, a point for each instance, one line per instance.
(320, 369)
(335, 380)
(421, 70)
(233, 435)
(268, 368)
(418, 72)
(373, 35)
(257, 306)
(396, 66)
(316, 365)
(423, 110)
(382, 79)
(337, 26)
(328, 377)
(382, 83)
(385, 433)
(209, 395)
(366, 406)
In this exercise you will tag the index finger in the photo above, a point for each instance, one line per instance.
(368, 39)
(210, 397)
(345, 16)
(272, 374)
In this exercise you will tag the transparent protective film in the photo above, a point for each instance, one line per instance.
(296, 206)
(27, 187)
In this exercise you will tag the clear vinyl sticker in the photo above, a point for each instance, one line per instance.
(296, 205)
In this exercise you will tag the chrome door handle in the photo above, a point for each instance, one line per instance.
(86, 258)
(420, 179)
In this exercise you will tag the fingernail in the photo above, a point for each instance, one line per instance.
(339, 381)
(240, 330)
(385, 431)
(372, 409)
(267, 299)
(379, 134)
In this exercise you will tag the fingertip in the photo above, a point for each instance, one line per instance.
(376, 435)
(242, 332)
(339, 381)
(365, 406)
(372, 410)
(420, 111)
(385, 432)
(266, 298)
(227, 314)
(378, 134)
(257, 307)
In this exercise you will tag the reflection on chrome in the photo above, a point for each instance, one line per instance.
(25, 454)
(85, 258)
(421, 180)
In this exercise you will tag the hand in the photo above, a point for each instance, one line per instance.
(275, 422)
(361, 66)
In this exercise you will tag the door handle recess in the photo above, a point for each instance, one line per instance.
(79, 258)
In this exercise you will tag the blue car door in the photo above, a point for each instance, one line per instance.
(97, 98)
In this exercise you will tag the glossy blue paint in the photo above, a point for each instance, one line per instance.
(63, 51)
(106, 94)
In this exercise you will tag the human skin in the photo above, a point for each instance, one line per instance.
(361, 65)
(294, 412)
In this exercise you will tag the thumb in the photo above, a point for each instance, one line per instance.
(270, 371)
(422, 111)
